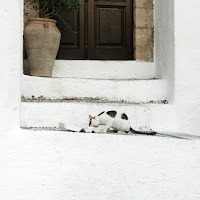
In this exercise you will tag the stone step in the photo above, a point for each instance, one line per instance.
(74, 115)
(99, 68)
(118, 90)
(107, 69)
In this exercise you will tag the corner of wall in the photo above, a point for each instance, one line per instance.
(164, 43)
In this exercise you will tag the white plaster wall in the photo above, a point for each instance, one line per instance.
(4, 65)
(164, 43)
(187, 51)
(187, 65)
(11, 23)
(46, 165)
(182, 70)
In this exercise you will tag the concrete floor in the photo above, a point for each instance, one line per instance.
(62, 165)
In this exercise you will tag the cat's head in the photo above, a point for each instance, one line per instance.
(93, 121)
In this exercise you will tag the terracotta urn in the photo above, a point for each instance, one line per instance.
(42, 40)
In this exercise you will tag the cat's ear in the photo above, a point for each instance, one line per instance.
(90, 117)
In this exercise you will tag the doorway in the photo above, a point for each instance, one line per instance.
(100, 30)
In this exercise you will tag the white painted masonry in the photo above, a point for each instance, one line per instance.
(142, 117)
(187, 65)
(130, 91)
(60, 165)
(176, 61)
(104, 69)
(164, 43)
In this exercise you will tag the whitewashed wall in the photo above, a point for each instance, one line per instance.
(164, 43)
(187, 65)
(186, 72)
(11, 26)
(44, 165)
(4, 59)
(178, 59)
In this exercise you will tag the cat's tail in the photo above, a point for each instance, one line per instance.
(142, 133)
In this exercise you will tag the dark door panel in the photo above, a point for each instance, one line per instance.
(110, 30)
(72, 42)
(109, 25)
(104, 31)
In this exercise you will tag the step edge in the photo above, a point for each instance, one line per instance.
(96, 79)
(86, 100)
(175, 136)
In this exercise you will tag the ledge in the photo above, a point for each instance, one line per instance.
(64, 89)
(96, 69)
(106, 69)
(143, 117)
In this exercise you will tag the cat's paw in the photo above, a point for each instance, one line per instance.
(104, 131)
(121, 132)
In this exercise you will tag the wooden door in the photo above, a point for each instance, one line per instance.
(72, 42)
(110, 28)
(105, 31)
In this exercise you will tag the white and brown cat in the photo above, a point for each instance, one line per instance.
(111, 120)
